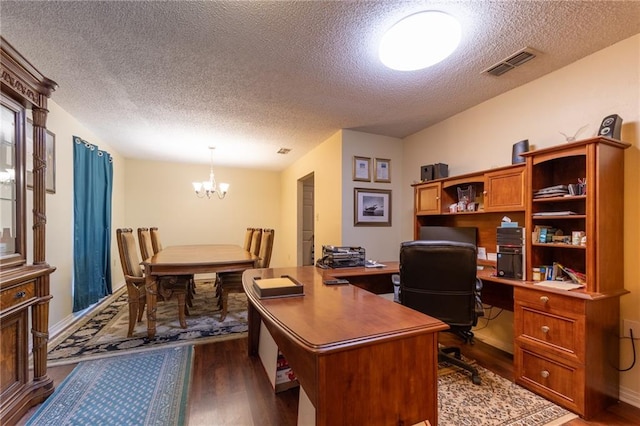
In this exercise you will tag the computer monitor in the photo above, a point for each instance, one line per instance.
(462, 234)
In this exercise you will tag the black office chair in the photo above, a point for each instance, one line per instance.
(438, 278)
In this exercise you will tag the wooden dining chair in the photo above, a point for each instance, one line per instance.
(231, 282)
(170, 285)
(256, 240)
(148, 248)
(155, 239)
(247, 239)
(136, 292)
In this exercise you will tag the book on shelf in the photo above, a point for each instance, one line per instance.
(277, 287)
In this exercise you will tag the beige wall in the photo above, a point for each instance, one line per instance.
(324, 163)
(59, 231)
(580, 94)
(160, 194)
(380, 242)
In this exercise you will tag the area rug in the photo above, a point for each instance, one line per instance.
(149, 388)
(103, 333)
(496, 402)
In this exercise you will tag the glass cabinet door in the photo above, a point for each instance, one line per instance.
(11, 183)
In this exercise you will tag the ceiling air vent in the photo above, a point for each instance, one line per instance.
(511, 62)
(284, 150)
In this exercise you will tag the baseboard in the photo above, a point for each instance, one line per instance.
(71, 319)
(629, 396)
(497, 343)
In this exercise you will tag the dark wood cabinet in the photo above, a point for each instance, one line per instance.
(24, 288)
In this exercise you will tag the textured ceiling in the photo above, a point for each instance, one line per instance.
(165, 80)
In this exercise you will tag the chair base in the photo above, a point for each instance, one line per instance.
(445, 355)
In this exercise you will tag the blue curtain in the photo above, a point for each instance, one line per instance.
(92, 188)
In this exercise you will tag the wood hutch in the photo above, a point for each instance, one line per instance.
(566, 342)
(24, 288)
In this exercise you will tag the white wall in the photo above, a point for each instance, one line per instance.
(582, 93)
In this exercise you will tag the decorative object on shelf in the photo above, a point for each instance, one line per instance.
(519, 148)
(372, 207)
(568, 138)
(362, 169)
(383, 170)
(611, 126)
(209, 188)
(50, 152)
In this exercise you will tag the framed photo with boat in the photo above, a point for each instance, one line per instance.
(372, 207)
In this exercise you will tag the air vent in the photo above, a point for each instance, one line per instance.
(284, 150)
(511, 62)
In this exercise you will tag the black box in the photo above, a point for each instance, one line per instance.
(426, 172)
(440, 171)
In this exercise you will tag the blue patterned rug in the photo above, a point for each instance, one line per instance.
(103, 332)
(149, 388)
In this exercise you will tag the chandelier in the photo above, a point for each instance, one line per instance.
(208, 188)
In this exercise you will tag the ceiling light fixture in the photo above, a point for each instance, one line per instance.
(420, 40)
(208, 188)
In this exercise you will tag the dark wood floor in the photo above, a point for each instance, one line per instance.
(229, 388)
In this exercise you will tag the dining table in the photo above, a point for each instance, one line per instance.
(190, 260)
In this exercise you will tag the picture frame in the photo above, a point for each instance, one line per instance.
(362, 169)
(371, 207)
(50, 152)
(382, 167)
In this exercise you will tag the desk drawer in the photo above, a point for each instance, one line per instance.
(557, 333)
(548, 301)
(16, 295)
(560, 383)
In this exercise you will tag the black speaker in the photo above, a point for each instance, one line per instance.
(519, 148)
(440, 170)
(426, 172)
(611, 126)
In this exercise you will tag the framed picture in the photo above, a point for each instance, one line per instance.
(50, 155)
(372, 207)
(383, 170)
(362, 169)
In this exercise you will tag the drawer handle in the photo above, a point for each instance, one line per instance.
(544, 299)
(20, 295)
(544, 374)
(545, 329)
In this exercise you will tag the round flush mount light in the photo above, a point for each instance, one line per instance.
(419, 41)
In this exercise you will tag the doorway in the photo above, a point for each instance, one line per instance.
(306, 224)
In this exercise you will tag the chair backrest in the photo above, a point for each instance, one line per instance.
(266, 247)
(144, 239)
(256, 239)
(247, 239)
(155, 239)
(438, 278)
(128, 253)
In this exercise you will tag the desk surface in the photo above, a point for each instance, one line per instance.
(332, 317)
(353, 352)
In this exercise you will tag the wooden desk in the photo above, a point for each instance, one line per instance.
(360, 358)
(187, 260)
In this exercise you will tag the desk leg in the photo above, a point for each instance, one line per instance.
(151, 285)
(253, 320)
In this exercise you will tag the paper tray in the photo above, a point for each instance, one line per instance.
(283, 286)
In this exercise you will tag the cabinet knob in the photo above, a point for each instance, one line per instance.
(544, 374)
(544, 299)
(545, 329)
(20, 295)
(437, 198)
(484, 192)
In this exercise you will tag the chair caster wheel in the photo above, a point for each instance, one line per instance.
(476, 380)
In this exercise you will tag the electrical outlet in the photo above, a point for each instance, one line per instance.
(633, 325)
